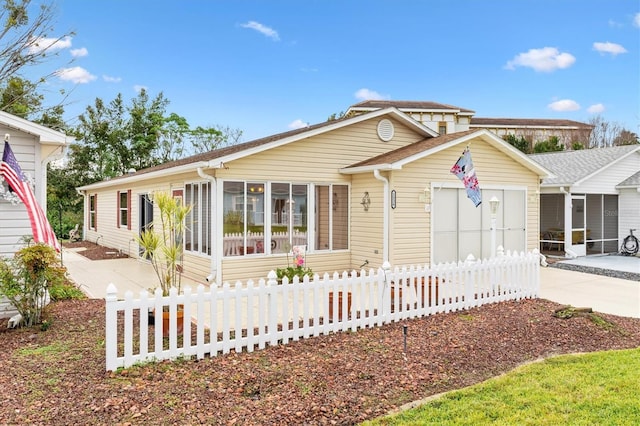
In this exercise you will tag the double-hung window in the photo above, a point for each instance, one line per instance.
(124, 209)
(93, 211)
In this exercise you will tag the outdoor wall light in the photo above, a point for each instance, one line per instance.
(366, 201)
(424, 196)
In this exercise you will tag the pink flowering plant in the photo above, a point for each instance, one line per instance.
(298, 267)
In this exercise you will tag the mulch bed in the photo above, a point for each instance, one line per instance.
(58, 376)
(94, 251)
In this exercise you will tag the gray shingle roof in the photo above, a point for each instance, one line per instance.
(570, 167)
(528, 122)
(633, 180)
(411, 105)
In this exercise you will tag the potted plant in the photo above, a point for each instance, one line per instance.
(163, 248)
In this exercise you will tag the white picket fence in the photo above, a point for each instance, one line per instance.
(255, 315)
(235, 244)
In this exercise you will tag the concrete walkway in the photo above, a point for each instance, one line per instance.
(601, 293)
(93, 276)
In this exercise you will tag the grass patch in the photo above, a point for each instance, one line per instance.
(50, 351)
(596, 388)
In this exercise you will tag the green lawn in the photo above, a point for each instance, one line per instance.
(601, 388)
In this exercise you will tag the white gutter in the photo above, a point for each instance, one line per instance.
(385, 215)
(129, 179)
(216, 262)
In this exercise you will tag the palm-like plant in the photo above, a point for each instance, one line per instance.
(163, 247)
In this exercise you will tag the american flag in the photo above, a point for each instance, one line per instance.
(10, 169)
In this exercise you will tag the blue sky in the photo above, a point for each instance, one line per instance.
(269, 66)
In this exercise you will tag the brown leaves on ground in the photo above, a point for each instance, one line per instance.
(58, 376)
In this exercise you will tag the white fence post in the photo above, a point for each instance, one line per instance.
(111, 337)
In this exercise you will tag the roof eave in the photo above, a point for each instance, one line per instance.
(123, 180)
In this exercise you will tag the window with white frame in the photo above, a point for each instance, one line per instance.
(93, 211)
(124, 209)
(197, 237)
(272, 217)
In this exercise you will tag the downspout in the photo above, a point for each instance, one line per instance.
(216, 262)
(385, 216)
(84, 205)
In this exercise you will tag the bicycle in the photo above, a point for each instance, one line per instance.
(629, 245)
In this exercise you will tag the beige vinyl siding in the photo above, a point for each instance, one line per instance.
(367, 227)
(319, 158)
(411, 225)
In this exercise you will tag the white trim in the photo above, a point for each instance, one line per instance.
(46, 136)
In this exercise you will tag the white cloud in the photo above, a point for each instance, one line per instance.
(546, 59)
(49, 44)
(596, 109)
(79, 53)
(297, 124)
(139, 88)
(636, 20)
(564, 105)
(269, 32)
(110, 79)
(613, 48)
(615, 24)
(369, 95)
(77, 75)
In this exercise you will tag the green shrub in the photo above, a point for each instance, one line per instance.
(23, 280)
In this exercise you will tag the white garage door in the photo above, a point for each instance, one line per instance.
(460, 228)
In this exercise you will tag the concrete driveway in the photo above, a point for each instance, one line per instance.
(601, 293)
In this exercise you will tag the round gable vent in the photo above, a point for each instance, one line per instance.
(385, 130)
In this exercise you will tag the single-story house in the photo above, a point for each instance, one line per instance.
(592, 200)
(34, 146)
(357, 191)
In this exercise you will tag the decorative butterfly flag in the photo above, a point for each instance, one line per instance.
(464, 170)
(12, 173)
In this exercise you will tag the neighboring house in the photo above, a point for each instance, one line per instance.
(357, 191)
(446, 119)
(592, 200)
(34, 147)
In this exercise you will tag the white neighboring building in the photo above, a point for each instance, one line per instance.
(34, 146)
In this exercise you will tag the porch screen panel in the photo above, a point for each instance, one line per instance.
(611, 223)
(445, 225)
(280, 213)
(340, 225)
(322, 218)
(233, 207)
(255, 216)
(299, 215)
(205, 218)
(595, 223)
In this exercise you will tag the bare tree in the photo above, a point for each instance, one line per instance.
(604, 133)
(25, 41)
